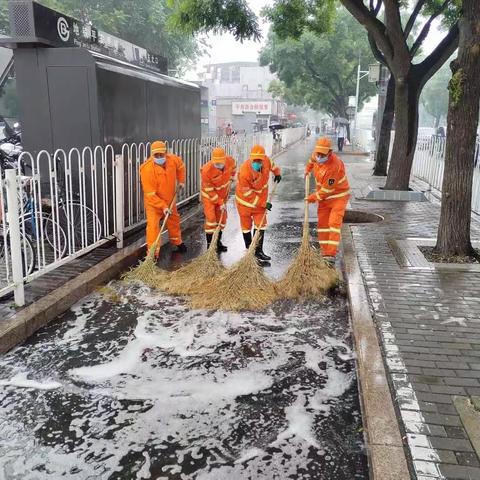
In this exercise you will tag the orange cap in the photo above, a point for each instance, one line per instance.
(158, 147)
(257, 153)
(219, 155)
(323, 145)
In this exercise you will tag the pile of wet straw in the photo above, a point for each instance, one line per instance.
(243, 287)
(147, 270)
(309, 276)
(192, 277)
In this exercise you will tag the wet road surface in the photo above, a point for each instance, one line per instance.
(130, 384)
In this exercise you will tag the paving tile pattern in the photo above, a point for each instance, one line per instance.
(429, 323)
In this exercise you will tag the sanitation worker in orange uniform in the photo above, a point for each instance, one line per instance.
(160, 175)
(252, 197)
(216, 175)
(332, 195)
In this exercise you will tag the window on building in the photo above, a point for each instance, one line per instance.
(225, 76)
(236, 75)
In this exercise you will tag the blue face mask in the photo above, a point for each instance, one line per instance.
(321, 159)
(160, 161)
(220, 166)
(257, 166)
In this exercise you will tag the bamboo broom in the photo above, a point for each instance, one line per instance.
(309, 276)
(147, 270)
(190, 278)
(242, 287)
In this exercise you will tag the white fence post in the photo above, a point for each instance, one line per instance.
(15, 239)
(119, 200)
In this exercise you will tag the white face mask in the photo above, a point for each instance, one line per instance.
(321, 159)
(220, 166)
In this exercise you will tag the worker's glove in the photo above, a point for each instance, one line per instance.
(223, 207)
(181, 186)
(268, 206)
(167, 211)
(277, 179)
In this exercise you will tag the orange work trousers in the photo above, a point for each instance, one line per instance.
(154, 217)
(330, 220)
(213, 216)
(250, 217)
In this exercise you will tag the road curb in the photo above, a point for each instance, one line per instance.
(386, 452)
(30, 319)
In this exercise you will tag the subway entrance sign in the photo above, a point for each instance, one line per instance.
(34, 24)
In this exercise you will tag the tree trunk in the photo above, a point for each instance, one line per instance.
(463, 109)
(383, 149)
(407, 94)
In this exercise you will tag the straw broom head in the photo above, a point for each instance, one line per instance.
(242, 287)
(309, 276)
(191, 277)
(147, 271)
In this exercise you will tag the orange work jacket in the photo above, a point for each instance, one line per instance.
(159, 182)
(330, 177)
(215, 182)
(252, 186)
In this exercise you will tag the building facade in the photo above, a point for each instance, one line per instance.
(239, 99)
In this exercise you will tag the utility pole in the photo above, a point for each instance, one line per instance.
(360, 74)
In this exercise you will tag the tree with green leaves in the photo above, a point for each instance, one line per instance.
(320, 71)
(393, 39)
(145, 23)
(453, 237)
(435, 95)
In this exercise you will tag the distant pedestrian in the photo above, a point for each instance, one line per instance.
(341, 135)
(228, 130)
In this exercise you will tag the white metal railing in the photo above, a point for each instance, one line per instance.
(57, 207)
(429, 162)
(363, 140)
(292, 135)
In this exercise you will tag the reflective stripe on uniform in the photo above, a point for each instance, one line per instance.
(211, 224)
(335, 230)
(150, 194)
(328, 242)
(246, 231)
(342, 180)
(338, 195)
(222, 186)
(209, 189)
(327, 190)
(210, 230)
(323, 230)
(248, 193)
(243, 202)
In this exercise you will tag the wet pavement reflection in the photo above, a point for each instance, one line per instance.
(131, 384)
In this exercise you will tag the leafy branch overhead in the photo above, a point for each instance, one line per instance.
(217, 16)
(321, 71)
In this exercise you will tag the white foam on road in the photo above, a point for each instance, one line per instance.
(173, 377)
(20, 380)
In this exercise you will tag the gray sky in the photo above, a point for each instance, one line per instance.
(224, 48)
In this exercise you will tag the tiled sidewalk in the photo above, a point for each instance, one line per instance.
(429, 322)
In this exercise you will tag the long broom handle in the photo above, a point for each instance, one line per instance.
(306, 227)
(224, 213)
(164, 223)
